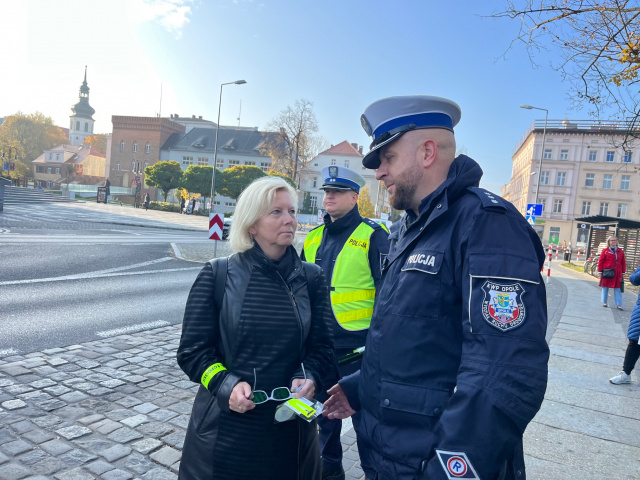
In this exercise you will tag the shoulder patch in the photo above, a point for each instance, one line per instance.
(489, 200)
(503, 306)
(456, 465)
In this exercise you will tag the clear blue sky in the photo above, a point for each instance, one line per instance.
(340, 54)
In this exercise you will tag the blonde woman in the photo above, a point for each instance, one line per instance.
(268, 340)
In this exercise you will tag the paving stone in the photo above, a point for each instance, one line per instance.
(47, 421)
(112, 383)
(181, 421)
(135, 420)
(129, 389)
(105, 426)
(147, 445)
(166, 456)
(75, 474)
(129, 402)
(145, 408)
(14, 370)
(98, 467)
(48, 466)
(99, 391)
(175, 439)
(45, 382)
(159, 474)
(119, 414)
(94, 444)
(13, 404)
(90, 419)
(85, 386)
(117, 474)
(180, 407)
(116, 363)
(135, 378)
(13, 471)
(87, 364)
(74, 431)
(4, 458)
(124, 435)
(38, 477)
(73, 397)
(156, 429)
(77, 457)
(138, 463)
(56, 447)
(16, 447)
(57, 390)
(51, 405)
(115, 453)
(32, 456)
(38, 436)
(22, 427)
(162, 414)
(56, 361)
(4, 382)
(18, 389)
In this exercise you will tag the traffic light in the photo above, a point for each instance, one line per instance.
(12, 166)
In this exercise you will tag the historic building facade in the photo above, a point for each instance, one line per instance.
(81, 122)
(587, 169)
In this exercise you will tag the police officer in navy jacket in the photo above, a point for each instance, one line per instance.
(456, 360)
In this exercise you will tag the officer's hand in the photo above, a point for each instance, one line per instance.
(337, 406)
(240, 399)
(307, 391)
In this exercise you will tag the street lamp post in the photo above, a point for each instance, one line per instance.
(215, 146)
(544, 133)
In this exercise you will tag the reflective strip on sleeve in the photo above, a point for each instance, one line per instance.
(211, 372)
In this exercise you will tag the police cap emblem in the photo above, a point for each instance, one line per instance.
(333, 171)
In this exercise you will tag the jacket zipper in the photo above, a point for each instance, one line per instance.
(295, 309)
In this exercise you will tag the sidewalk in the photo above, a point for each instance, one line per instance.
(117, 408)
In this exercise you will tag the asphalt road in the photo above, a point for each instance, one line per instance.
(67, 279)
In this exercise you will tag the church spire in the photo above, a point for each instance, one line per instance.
(84, 89)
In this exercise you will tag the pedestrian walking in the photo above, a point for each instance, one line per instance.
(350, 250)
(146, 201)
(182, 204)
(256, 331)
(612, 267)
(455, 365)
(633, 334)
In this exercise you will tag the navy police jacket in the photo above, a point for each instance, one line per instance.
(456, 359)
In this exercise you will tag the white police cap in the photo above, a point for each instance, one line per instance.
(341, 178)
(387, 119)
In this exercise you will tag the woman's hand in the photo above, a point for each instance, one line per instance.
(240, 399)
(308, 391)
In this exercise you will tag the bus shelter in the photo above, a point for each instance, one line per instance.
(600, 228)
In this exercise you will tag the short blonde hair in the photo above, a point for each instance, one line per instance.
(253, 203)
(611, 238)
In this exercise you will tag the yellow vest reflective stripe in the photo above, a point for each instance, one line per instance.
(353, 290)
(211, 372)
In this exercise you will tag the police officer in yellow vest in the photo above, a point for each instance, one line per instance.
(350, 250)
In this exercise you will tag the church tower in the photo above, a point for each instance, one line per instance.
(81, 125)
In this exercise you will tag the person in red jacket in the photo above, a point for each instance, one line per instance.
(612, 258)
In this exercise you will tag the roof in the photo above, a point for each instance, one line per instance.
(602, 220)
(70, 153)
(343, 148)
(83, 109)
(241, 141)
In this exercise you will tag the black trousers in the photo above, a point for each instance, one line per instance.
(631, 356)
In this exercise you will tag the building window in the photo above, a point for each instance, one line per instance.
(133, 166)
(249, 163)
(58, 170)
(622, 210)
(146, 164)
(203, 161)
(561, 178)
(135, 147)
(593, 154)
(543, 202)
(591, 177)
(264, 166)
(604, 208)
(78, 125)
(610, 156)
(229, 204)
(187, 160)
(315, 182)
(586, 208)
(147, 148)
(627, 158)
(606, 182)
(564, 154)
(220, 163)
(313, 201)
(557, 206)
(333, 161)
(118, 167)
(234, 162)
(625, 182)
(86, 127)
(346, 163)
(544, 178)
(122, 146)
(547, 154)
(48, 169)
(57, 157)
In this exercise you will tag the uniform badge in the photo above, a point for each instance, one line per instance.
(333, 171)
(456, 465)
(502, 305)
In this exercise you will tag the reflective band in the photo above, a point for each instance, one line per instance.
(211, 372)
(353, 296)
(301, 407)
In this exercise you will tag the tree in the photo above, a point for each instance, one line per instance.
(287, 178)
(97, 141)
(292, 143)
(197, 180)
(237, 178)
(165, 175)
(599, 42)
(30, 135)
(20, 170)
(306, 204)
(365, 206)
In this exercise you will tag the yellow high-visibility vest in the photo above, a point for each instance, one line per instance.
(353, 290)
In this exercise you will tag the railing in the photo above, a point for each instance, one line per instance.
(72, 187)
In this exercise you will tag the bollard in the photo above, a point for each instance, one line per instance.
(578, 257)
(557, 250)
(549, 266)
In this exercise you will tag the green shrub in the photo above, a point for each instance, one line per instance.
(164, 206)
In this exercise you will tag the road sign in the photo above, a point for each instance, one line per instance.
(216, 223)
(5, 165)
(532, 220)
(534, 209)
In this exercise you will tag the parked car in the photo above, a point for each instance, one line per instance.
(226, 227)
